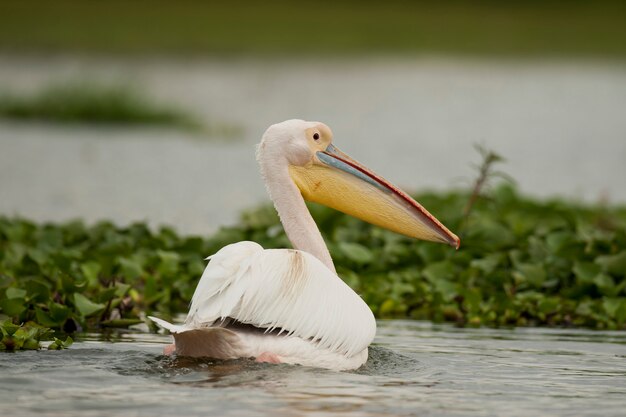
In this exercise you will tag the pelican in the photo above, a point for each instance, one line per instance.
(289, 305)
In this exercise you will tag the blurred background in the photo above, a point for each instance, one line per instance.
(150, 110)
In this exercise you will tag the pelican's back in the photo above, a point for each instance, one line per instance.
(282, 289)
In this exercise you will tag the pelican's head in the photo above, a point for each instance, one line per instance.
(328, 176)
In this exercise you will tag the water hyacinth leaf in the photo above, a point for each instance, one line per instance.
(85, 306)
(613, 264)
(70, 285)
(91, 270)
(45, 319)
(8, 328)
(13, 307)
(59, 344)
(612, 304)
(446, 289)
(50, 238)
(431, 253)
(168, 262)
(494, 233)
(150, 291)
(15, 293)
(487, 264)
(121, 289)
(107, 295)
(356, 253)
(556, 241)
(31, 344)
(131, 268)
(585, 308)
(58, 312)
(38, 290)
(38, 256)
(14, 253)
(471, 299)
(387, 307)
(548, 305)
(532, 274)
(439, 271)
(586, 271)
(605, 284)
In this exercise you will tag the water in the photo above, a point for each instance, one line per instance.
(415, 368)
(559, 124)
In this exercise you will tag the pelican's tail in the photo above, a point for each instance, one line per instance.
(173, 328)
(212, 342)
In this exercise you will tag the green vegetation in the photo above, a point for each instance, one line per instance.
(521, 262)
(90, 103)
(29, 337)
(484, 27)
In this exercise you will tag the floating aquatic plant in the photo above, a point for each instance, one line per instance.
(87, 102)
(521, 262)
(28, 337)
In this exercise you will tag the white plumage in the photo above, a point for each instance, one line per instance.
(289, 305)
(297, 305)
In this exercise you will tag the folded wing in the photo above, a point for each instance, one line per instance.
(280, 289)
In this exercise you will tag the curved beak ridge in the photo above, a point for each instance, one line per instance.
(338, 181)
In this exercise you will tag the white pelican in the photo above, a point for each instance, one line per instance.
(289, 305)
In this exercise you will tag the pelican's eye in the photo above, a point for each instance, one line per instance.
(316, 136)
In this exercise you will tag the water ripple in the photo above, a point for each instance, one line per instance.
(414, 368)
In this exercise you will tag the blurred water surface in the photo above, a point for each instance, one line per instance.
(415, 368)
(560, 125)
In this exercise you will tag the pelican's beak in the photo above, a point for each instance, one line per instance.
(338, 181)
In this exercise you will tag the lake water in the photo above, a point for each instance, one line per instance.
(561, 125)
(415, 369)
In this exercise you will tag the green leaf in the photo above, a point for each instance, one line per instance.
(556, 241)
(387, 307)
(15, 293)
(612, 305)
(45, 319)
(85, 306)
(168, 262)
(9, 328)
(39, 256)
(586, 271)
(38, 290)
(131, 268)
(91, 270)
(439, 271)
(488, 264)
(59, 313)
(605, 283)
(613, 264)
(356, 252)
(533, 274)
(13, 307)
(549, 305)
(59, 344)
(121, 289)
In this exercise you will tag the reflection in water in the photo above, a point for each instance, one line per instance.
(415, 368)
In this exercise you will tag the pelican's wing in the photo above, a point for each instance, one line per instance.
(282, 289)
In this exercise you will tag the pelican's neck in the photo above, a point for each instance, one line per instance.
(294, 215)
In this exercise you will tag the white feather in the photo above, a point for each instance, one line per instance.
(281, 288)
